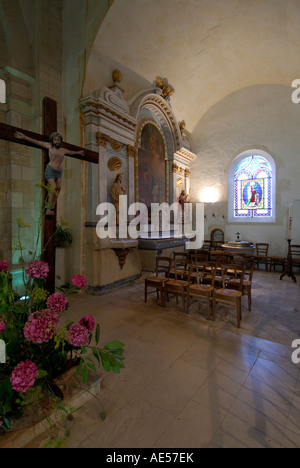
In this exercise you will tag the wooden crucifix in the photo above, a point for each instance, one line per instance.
(8, 133)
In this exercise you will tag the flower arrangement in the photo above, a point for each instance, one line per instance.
(38, 347)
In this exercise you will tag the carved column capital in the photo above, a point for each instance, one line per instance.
(102, 139)
(131, 151)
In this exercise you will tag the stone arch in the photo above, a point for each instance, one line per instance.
(152, 106)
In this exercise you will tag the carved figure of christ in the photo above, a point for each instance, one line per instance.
(54, 169)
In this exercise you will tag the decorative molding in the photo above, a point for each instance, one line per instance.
(114, 163)
(166, 89)
(131, 151)
(103, 139)
(122, 255)
(92, 103)
(184, 156)
(175, 168)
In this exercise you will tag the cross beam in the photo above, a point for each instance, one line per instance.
(7, 133)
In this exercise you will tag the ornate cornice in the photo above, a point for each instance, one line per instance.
(97, 105)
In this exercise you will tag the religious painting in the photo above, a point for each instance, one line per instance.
(253, 188)
(252, 191)
(151, 166)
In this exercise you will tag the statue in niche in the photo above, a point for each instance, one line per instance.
(116, 190)
(151, 167)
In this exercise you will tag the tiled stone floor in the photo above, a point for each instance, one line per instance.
(192, 383)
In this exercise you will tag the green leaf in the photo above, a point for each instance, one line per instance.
(92, 366)
(78, 370)
(97, 333)
(105, 361)
(85, 374)
(112, 345)
(96, 354)
(42, 373)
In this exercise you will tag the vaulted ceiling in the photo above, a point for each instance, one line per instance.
(207, 49)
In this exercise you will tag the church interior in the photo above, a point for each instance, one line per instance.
(164, 101)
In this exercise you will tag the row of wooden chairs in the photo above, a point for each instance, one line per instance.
(261, 255)
(198, 279)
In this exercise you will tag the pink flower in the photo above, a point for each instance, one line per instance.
(1, 422)
(88, 322)
(79, 281)
(2, 327)
(57, 302)
(24, 376)
(37, 269)
(79, 335)
(3, 266)
(41, 326)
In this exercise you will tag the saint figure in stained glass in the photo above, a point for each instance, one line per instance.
(253, 188)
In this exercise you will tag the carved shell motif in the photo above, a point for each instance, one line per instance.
(114, 163)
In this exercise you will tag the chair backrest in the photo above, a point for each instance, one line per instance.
(219, 256)
(163, 266)
(203, 269)
(262, 248)
(295, 251)
(206, 245)
(198, 257)
(248, 263)
(230, 271)
(181, 265)
(183, 256)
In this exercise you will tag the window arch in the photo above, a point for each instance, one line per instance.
(251, 183)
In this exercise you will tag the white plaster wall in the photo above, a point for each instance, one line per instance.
(261, 116)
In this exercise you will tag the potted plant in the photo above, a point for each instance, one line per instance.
(63, 234)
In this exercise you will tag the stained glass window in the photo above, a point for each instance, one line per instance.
(253, 188)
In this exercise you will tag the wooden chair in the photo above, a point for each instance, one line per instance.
(157, 282)
(217, 245)
(199, 290)
(230, 297)
(178, 286)
(180, 258)
(234, 283)
(275, 260)
(261, 254)
(219, 256)
(195, 263)
(295, 253)
(206, 246)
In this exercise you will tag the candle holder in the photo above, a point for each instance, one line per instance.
(289, 266)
